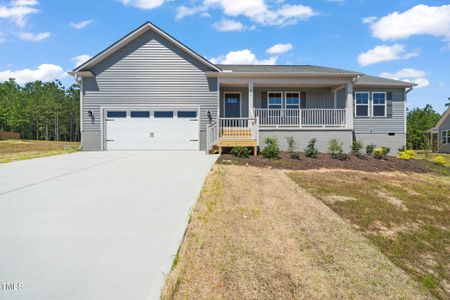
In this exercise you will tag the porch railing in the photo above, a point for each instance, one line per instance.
(212, 136)
(269, 117)
(238, 128)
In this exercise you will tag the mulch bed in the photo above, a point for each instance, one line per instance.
(369, 164)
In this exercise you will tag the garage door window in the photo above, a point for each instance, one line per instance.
(187, 114)
(116, 114)
(163, 114)
(140, 114)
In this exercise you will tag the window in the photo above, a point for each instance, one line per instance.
(445, 136)
(163, 114)
(187, 114)
(116, 114)
(292, 100)
(361, 104)
(274, 100)
(140, 114)
(379, 104)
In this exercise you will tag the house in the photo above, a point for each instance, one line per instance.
(148, 91)
(440, 134)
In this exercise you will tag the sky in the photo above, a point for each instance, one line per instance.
(401, 39)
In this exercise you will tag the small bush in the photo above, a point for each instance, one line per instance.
(406, 154)
(335, 150)
(379, 152)
(356, 148)
(401, 149)
(311, 150)
(439, 160)
(291, 144)
(242, 152)
(370, 148)
(386, 150)
(272, 149)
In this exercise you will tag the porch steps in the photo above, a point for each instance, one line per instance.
(229, 142)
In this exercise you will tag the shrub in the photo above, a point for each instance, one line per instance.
(370, 148)
(291, 144)
(271, 150)
(335, 150)
(402, 148)
(379, 152)
(386, 150)
(311, 150)
(242, 152)
(406, 154)
(439, 160)
(356, 148)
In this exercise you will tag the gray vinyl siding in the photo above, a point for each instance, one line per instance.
(315, 97)
(444, 148)
(149, 72)
(395, 120)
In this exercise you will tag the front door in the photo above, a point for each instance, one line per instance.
(232, 105)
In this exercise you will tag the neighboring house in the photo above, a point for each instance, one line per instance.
(149, 91)
(441, 132)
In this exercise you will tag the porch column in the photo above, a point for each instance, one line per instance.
(349, 106)
(250, 100)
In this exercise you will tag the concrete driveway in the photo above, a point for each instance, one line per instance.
(95, 225)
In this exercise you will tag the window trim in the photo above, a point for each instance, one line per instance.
(282, 99)
(292, 92)
(368, 104)
(373, 104)
(447, 136)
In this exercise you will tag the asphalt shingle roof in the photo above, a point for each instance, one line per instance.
(363, 79)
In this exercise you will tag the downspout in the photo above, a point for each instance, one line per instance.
(79, 80)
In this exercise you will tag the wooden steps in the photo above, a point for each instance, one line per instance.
(230, 142)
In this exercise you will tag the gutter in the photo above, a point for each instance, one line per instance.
(278, 74)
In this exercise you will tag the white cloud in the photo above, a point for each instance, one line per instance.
(81, 25)
(17, 11)
(33, 37)
(419, 20)
(144, 4)
(369, 20)
(279, 49)
(80, 59)
(257, 11)
(229, 25)
(410, 75)
(385, 53)
(45, 72)
(244, 57)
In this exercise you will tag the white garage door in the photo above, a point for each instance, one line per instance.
(151, 130)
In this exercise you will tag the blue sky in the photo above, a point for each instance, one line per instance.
(398, 39)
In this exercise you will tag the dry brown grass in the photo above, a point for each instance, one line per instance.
(12, 150)
(405, 215)
(255, 234)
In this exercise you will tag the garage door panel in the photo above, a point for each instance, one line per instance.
(164, 132)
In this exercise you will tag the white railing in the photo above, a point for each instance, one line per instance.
(238, 128)
(270, 117)
(212, 136)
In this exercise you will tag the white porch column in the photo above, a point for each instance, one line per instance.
(250, 100)
(349, 106)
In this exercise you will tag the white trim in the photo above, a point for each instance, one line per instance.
(445, 115)
(292, 92)
(368, 104)
(335, 99)
(447, 131)
(132, 36)
(81, 112)
(275, 92)
(224, 104)
(385, 104)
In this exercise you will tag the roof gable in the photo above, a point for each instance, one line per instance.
(445, 115)
(132, 36)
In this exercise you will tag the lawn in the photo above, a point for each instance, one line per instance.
(255, 234)
(12, 150)
(406, 215)
(433, 155)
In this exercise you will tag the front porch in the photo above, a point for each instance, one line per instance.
(246, 109)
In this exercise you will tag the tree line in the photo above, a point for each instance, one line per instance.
(40, 110)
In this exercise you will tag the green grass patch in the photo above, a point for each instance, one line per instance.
(405, 215)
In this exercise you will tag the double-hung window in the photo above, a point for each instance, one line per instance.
(274, 99)
(292, 100)
(361, 104)
(445, 136)
(379, 104)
